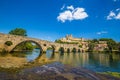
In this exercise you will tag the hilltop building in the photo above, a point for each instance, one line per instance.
(80, 41)
(83, 43)
(101, 46)
(70, 38)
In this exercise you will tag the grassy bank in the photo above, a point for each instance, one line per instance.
(115, 74)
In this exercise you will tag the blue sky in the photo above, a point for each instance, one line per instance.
(53, 19)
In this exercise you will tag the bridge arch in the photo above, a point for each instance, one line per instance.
(79, 50)
(61, 50)
(74, 50)
(39, 45)
(68, 50)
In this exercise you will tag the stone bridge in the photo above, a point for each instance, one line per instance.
(43, 44)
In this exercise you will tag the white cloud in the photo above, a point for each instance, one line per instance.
(114, 15)
(67, 15)
(72, 14)
(102, 32)
(111, 15)
(70, 7)
(62, 7)
(79, 13)
(118, 16)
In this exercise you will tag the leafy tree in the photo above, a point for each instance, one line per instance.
(104, 39)
(18, 31)
(91, 46)
(8, 43)
(25, 46)
(59, 41)
(80, 46)
(112, 45)
(29, 46)
(119, 46)
(22, 32)
(95, 41)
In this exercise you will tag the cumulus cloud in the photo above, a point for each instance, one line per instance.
(114, 15)
(111, 15)
(102, 32)
(72, 13)
(70, 7)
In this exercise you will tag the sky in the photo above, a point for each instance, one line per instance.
(53, 19)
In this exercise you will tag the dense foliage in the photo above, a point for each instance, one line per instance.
(112, 44)
(22, 46)
(59, 41)
(25, 46)
(91, 46)
(18, 31)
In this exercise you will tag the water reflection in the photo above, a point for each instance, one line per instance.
(100, 62)
(94, 61)
(32, 55)
(49, 53)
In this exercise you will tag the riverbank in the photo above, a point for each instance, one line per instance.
(55, 71)
(9, 61)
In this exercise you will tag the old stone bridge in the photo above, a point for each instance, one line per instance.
(43, 44)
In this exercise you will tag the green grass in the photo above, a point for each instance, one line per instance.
(115, 74)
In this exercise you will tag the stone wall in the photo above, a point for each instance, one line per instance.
(43, 44)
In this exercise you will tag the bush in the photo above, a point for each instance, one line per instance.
(3, 52)
(80, 46)
(8, 43)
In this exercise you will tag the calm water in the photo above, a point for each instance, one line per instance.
(97, 62)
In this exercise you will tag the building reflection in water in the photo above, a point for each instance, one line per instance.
(94, 61)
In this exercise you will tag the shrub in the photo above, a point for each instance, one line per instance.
(8, 43)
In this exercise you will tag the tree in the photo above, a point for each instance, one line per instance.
(112, 45)
(91, 46)
(80, 46)
(18, 31)
(22, 32)
(119, 46)
(25, 46)
(95, 41)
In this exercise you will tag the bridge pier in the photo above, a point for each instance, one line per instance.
(43, 44)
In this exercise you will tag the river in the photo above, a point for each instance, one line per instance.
(98, 62)
(58, 66)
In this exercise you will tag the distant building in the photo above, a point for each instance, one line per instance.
(81, 41)
(70, 38)
(101, 46)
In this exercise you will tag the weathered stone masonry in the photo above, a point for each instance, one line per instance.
(43, 44)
